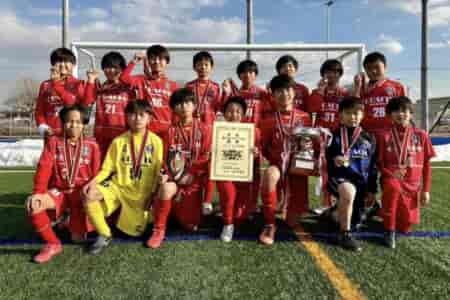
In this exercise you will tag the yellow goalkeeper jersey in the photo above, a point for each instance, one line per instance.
(118, 165)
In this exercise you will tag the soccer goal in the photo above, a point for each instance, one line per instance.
(227, 57)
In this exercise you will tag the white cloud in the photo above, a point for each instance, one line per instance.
(389, 44)
(96, 13)
(438, 10)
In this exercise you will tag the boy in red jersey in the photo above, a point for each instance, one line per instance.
(376, 94)
(324, 101)
(404, 161)
(62, 89)
(67, 163)
(154, 86)
(110, 99)
(288, 65)
(257, 100)
(182, 196)
(235, 197)
(277, 144)
(208, 97)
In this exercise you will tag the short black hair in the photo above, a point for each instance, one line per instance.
(284, 60)
(83, 110)
(331, 65)
(136, 106)
(281, 82)
(247, 65)
(399, 104)
(181, 96)
(62, 55)
(159, 51)
(202, 55)
(350, 102)
(237, 100)
(374, 57)
(113, 59)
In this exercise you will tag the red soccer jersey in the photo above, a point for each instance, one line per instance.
(375, 99)
(418, 155)
(195, 143)
(256, 99)
(271, 137)
(156, 91)
(53, 96)
(53, 167)
(207, 94)
(327, 107)
(301, 100)
(110, 102)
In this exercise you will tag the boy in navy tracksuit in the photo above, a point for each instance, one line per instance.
(352, 174)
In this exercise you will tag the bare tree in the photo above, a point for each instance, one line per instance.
(23, 99)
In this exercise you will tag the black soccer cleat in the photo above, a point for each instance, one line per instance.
(389, 239)
(99, 245)
(348, 242)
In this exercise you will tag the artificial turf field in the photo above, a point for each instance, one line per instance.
(200, 266)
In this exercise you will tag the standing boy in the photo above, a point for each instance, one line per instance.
(352, 174)
(67, 163)
(188, 141)
(208, 99)
(127, 180)
(235, 197)
(404, 159)
(376, 93)
(277, 145)
(62, 89)
(256, 100)
(154, 86)
(110, 99)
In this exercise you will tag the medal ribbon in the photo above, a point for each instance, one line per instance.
(345, 147)
(286, 135)
(189, 142)
(401, 149)
(201, 102)
(136, 168)
(72, 162)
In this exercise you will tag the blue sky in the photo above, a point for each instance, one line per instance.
(30, 29)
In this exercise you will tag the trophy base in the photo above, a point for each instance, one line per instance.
(304, 167)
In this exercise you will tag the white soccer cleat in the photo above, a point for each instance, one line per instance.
(207, 209)
(227, 233)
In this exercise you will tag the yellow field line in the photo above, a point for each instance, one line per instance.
(340, 281)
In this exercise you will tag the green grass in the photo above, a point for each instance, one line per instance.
(418, 269)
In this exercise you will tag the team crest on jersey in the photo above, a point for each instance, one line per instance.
(85, 151)
(390, 91)
(149, 149)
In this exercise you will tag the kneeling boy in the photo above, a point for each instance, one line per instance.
(189, 140)
(352, 175)
(67, 163)
(127, 179)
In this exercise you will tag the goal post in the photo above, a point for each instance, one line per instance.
(227, 56)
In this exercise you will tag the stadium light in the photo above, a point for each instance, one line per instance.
(424, 68)
(65, 24)
(328, 8)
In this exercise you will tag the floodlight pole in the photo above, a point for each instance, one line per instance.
(249, 26)
(328, 12)
(65, 24)
(424, 68)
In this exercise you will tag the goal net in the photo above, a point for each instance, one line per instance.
(228, 56)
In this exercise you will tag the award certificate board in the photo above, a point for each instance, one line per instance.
(232, 151)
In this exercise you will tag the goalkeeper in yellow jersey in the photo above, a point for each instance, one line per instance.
(127, 180)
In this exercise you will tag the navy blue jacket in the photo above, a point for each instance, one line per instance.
(362, 168)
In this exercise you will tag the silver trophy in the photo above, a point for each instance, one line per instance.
(176, 162)
(306, 148)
